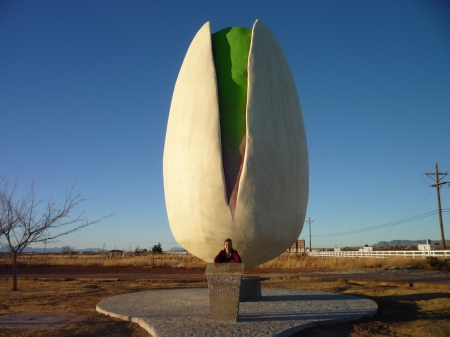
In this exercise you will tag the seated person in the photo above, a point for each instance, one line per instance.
(228, 255)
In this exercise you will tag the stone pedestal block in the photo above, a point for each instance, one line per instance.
(224, 281)
(250, 289)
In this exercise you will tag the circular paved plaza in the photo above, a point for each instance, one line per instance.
(185, 312)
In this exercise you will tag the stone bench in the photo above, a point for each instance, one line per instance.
(250, 289)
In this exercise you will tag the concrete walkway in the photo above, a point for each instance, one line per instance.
(185, 312)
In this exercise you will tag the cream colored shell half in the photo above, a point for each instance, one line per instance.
(273, 190)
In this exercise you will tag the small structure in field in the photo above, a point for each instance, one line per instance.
(425, 247)
(116, 253)
(140, 252)
(366, 248)
(297, 247)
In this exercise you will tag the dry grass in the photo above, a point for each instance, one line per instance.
(76, 297)
(284, 261)
(297, 261)
(103, 260)
(403, 311)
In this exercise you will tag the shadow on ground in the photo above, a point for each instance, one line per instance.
(398, 315)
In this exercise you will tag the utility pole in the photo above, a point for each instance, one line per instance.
(438, 185)
(309, 221)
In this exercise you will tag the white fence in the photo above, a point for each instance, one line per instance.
(415, 254)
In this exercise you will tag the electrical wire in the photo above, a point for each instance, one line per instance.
(375, 199)
(389, 224)
(390, 230)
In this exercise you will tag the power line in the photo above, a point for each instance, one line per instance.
(393, 223)
(416, 205)
(406, 215)
(377, 198)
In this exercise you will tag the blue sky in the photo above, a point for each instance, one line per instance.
(86, 86)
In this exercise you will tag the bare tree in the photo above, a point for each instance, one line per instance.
(27, 220)
(68, 250)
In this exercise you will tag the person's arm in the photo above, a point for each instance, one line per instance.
(220, 258)
(235, 258)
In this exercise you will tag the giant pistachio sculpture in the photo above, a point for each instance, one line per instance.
(235, 156)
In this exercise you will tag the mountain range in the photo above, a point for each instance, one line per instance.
(407, 243)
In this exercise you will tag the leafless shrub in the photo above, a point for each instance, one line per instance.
(27, 220)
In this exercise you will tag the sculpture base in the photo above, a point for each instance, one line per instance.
(224, 282)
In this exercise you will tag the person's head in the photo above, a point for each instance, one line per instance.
(228, 245)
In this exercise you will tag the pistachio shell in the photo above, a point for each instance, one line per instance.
(273, 190)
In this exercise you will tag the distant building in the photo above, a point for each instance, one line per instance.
(366, 248)
(297, 247)
(425, 247)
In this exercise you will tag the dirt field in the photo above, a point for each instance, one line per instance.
(411, 302)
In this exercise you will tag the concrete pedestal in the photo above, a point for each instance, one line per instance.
(224, 281)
